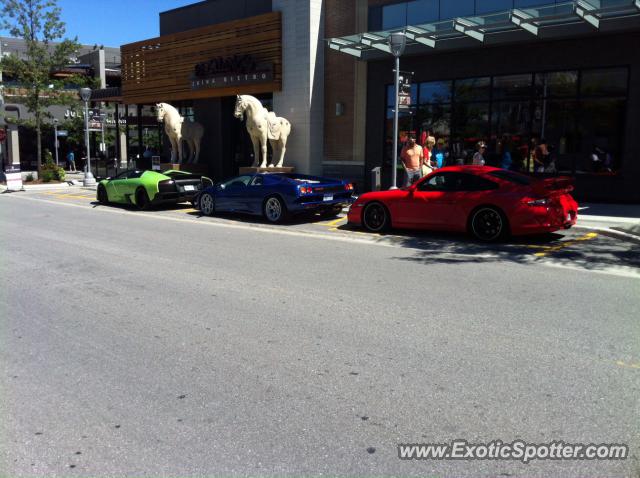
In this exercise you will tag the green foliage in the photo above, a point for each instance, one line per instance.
(29, 178)
(38, 23)
(50, 171)
(48, 157)
(47, 175)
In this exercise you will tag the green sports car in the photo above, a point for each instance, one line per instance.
(146, 188)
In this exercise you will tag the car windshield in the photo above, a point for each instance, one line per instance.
(238, 181)
(511, 176)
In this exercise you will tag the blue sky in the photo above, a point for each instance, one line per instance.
(114, 22)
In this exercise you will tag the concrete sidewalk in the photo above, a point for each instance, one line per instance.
(617, 220)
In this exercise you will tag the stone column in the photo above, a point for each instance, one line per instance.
(301, 100)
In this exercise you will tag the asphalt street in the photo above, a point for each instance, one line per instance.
(165, 343)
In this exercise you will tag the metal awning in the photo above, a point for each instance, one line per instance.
(560, 20)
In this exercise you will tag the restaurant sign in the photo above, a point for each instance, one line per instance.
(230, 71)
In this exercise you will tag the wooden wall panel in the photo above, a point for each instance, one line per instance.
(160, 69)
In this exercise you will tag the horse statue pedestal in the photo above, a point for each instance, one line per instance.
(190, 168)
(255, 169)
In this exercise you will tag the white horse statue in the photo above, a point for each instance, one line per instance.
(178, 130)
(262, 125)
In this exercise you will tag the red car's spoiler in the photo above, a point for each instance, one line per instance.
(561, 184)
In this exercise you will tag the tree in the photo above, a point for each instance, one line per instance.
(38, 23)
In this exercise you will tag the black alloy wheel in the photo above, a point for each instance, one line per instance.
(103, 197)
(207, 204)
(488, 224)
(142, 199)
(274, 210)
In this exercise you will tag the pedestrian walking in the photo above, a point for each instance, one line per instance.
(71, 161)
(412, 156)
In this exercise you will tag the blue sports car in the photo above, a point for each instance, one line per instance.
(275, 195)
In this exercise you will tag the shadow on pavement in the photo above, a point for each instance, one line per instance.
(592, 252)
(296, 220)
(132, 207)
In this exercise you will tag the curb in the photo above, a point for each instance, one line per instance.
(613, 233)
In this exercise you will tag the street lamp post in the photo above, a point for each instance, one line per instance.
(397, 42)
(55, 137)
(103, 146)
(85, 95)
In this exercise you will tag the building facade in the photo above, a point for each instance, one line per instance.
(211, 51)
(505, 72)
(492, 71)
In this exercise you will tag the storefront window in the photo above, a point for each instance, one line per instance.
(471, 123)
(511, 123)
(512, 87)
(473, 89)
(601, 125)
(582, 129)
(610, 82)
(555, 121)
(435, 92)
(557, 84)
(435, 120)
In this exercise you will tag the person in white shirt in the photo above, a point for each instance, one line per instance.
(478, 157)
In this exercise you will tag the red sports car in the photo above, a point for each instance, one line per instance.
(490, 203)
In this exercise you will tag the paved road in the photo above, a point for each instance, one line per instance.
(167, 343)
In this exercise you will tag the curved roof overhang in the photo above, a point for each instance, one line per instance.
(561, 20)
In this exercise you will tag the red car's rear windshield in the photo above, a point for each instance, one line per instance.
(511, 176)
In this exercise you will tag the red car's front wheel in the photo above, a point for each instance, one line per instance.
(375, 217)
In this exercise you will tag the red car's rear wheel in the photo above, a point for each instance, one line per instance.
(488, 224)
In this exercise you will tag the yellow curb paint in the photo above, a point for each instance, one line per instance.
(586, 237)
(333, 223)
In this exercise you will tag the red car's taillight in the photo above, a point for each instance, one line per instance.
(538, 202)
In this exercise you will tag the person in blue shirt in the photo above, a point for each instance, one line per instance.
(71, 161)
(438, 154)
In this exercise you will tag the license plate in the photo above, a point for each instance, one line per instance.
(328, 197)
(189, 187)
